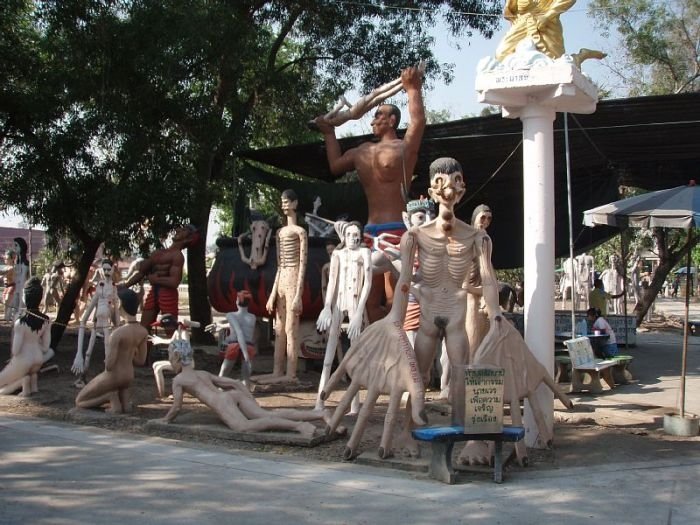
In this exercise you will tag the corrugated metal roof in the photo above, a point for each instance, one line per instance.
(648, 142)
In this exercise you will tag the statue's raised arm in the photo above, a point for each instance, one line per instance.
(339, 116)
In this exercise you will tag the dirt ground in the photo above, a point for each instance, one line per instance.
(579, 439)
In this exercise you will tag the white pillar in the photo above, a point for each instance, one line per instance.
(534, 89)
(538, 257)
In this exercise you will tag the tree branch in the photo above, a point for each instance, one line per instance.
(281, 37)
(300, 60)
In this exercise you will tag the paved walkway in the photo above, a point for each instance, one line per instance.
(52, 473)
(59, 474)
(656, 369)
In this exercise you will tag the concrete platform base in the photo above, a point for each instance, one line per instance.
(195, 424)
(675, 425)
(299, 386)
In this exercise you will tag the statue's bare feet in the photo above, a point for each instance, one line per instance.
(270, 379)
(405, 445)
(340, 430)
(475, 453)
(24, 394)
(306, 429)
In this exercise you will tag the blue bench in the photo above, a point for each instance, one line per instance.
(442, 440)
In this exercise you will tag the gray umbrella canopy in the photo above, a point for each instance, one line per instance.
(672, 208)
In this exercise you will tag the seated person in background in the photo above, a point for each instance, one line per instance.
(609, 348)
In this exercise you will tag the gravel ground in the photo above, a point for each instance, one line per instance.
(578, 438)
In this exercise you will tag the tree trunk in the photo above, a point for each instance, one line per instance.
(67, 306)
(200, 309)
(668, 259)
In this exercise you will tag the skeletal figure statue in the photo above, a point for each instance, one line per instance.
(105, 304)
(286, 295)
(350, 278)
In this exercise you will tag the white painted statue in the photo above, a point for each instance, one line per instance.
(349, 282)
(237, 336)
(20, 273)
(586, 265)
(613, 283)
(8, 281)
(568, 285)
(477, 323)
(104, 303)
(179, 332)
(259, 235)
(230, 399)
(31, 337)
(286, 295)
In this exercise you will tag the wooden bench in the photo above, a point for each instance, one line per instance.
(584, 362)
(442, 440)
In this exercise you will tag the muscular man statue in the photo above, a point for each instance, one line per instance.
(385, 169)
(231, 400)
(446, 249)
(349, 281)
(127, 346)
(163, 269)
(286, 295)
(104, 303)
(237, 336)
(30, 345)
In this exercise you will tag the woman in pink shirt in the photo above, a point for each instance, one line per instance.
(600, 324)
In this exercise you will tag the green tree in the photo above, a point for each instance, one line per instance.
(74, 159)
(137, 109)
(437, 116)
(658, 54)
(659, 51)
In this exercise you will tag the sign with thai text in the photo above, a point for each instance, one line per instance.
(484, 399)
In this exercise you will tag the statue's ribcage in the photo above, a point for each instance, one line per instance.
(289, 250)
(439, 268)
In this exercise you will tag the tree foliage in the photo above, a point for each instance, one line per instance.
(119, 117)
(659, 54)
(660, 43)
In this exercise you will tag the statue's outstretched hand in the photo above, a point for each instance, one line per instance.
(323, 125)
(78, 366)
(157, 340)
(355, 326)
(210, 328)
(324, 319)
(412, 78)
